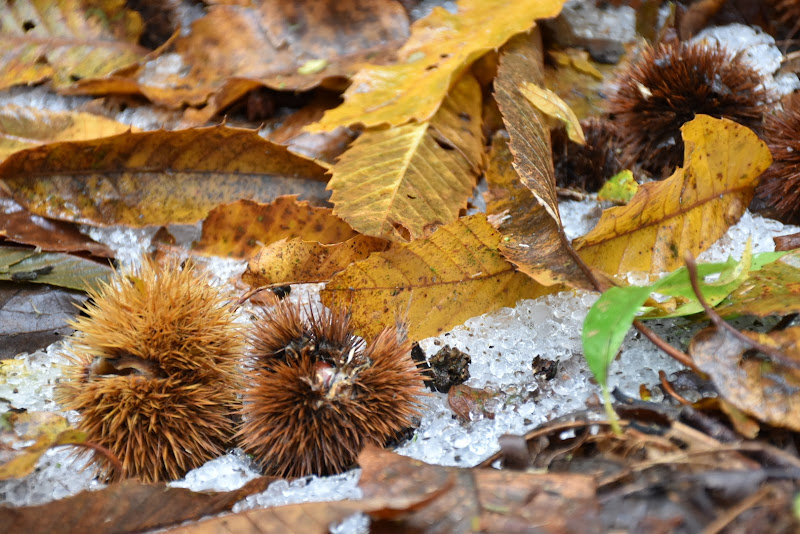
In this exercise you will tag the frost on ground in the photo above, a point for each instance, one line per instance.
(502, 345)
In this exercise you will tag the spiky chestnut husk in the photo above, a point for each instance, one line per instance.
(778, 193)
(667, 87)
(153, 372)
(317, 395)
(587, 167)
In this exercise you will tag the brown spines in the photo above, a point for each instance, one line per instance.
(312, 406)
(778, 193)
(153, 372)
(668, 86)
(587, 167)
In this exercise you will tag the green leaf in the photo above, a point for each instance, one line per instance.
(607, 323)
(619, 189)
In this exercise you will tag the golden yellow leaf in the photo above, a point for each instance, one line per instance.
(156, 178)
(688, 211)
(441, 281)
(399, 182)
(239, 229)
(296, 261)
(26, 127)
(551, 105)
(66, 40)
(441, 46)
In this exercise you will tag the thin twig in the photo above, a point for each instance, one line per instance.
(116, 464)
(676, 354)
(662, 376)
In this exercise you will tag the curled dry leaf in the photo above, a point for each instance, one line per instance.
(439, 281)
(156, 178)
(291, 261)
(441, 46)
(768, 391)
(239, 229)
(66, 41)
(688, 211)
(398, 183)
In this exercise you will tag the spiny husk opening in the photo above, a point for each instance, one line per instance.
(154, 372)
(317, 394)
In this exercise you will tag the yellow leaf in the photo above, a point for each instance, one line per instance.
(156, 178)
(441, 281)
(399, 183)
(295, 261)
(66, 40)
(239, 229)
(688, 211)
(440, 47)
(551, 105)
(26, 127)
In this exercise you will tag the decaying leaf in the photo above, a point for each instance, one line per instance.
(127, 506)
(530, 234)
(619, 189)
(399, 183)
(33, 317)
(239, 229)
(439, 281)
(19, 264)
(156, 178)
(768, 391)
(297, 261)
(26, 127)
(688, 211)
(441, 46)
(772, 290)
(466, 401)
(476, 500)
(66, 40)
(287, 46)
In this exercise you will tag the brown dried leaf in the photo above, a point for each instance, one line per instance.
(296, 261)
(768, 391)
(530, 234)
(127, 506)
(287, 46)
(156, 178)
(477, 500)
(239, 229)
(20, 226)
(466, 401)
